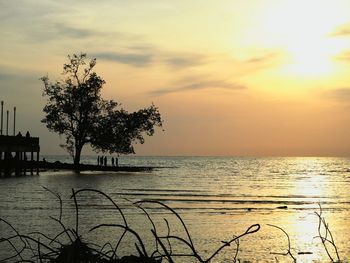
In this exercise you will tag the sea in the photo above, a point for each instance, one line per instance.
(216, 198)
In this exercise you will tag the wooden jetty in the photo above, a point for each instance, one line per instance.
(13, 155)
(14, 152)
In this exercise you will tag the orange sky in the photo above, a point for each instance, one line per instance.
(235, 77)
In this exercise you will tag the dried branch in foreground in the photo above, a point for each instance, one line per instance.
(326, 236)
(288, 253)
(68, 246)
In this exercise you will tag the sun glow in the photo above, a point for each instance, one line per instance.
(311, 58)
(303, 31)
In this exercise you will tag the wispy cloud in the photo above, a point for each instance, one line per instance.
(344, 56)
(264, 58)
(134, 59)
(13, 74)
(252, 64)
(6, 76)
(198, 85)
(74, 32)
(144, 54)
(184, 60)
(18, 81)
(339, 94)
(342, 31)
(43, 21)
(53, 31)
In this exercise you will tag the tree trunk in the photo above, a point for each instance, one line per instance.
(77, 155)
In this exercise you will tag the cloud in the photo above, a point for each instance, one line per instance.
(264, 58)
(18, 82)
(339, 94)
(53, 31)
(254, 63)
(342, 31)
(199, 85)
(42, 21)
(344, 56)
(6, 76)
(143, 55)
(14, 74)
(73, 32)
(183, 60)
(134, 59)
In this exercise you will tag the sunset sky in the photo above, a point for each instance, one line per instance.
(235, 77)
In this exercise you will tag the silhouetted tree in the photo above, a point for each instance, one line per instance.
(76, 110)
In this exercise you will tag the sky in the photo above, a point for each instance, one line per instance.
(230, 78)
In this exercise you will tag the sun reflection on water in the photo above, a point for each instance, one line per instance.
(313, 182)
(310, 178)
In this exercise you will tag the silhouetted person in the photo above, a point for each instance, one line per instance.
(27, 134)
(112, 161)
(116, 161)
(44, 160)
(19, 134)
(105, 160)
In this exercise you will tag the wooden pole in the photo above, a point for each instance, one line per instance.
(31, 162)
(2, 164)
(14, 121)
(7, 123)
(16, 163)
(2, 116)
(37, 162)
(24, 163)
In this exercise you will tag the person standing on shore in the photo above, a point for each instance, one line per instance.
(105, 160)
(116, 161)
(112, 161)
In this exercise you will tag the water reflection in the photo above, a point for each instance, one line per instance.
(310, 178)
(218, 197)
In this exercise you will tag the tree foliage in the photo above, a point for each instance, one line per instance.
(76, 110)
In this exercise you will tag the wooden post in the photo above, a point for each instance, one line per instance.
(14, 121)
(31, 162)
(7, 167)
(25, 163)
(37, 162)
(2, 164)
(16, 163)
(7, 122)
(2, 116)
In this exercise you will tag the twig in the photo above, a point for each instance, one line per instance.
(176, 214)
(76, 213)
(324, 238)
(108, 197)
(59, 198)
(126, 228)
(252, 229)
(288, 251)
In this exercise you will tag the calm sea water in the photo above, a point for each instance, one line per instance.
(218, 197)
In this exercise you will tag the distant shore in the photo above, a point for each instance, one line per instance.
(57, 165)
